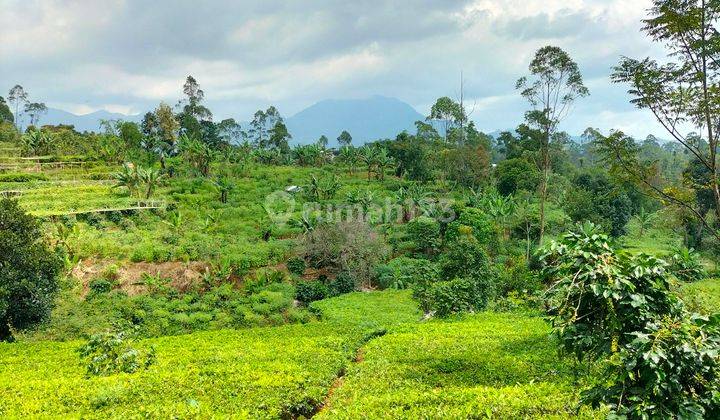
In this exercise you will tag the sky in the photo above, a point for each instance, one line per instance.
(128, 55)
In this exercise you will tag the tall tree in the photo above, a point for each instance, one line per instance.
(447, 112)
(17, 97)
(323, 142)
(279, 137)
(35, 110)
(344, 139)
(551, 89)
(683, 92)
(193, 113)
(262, 124)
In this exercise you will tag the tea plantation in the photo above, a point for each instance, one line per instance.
(364, 346)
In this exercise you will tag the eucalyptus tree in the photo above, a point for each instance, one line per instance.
(551, 89)
(344, 139)
(35, 110)
(17, 97)
(448, 112)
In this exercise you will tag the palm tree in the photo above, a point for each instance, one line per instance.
(645, 220)
(151, 177)
(199, 154)
(382, 161)
(175, 221)
(128, 177)
(500, 208)
(224, 186)
(349, 155)
(368, 157)
(411, 199)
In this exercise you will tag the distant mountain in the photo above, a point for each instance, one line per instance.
(370, 119)
(85, 122)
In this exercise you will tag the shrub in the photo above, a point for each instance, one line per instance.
(100, 286)
(28, 271)
(404, 272)
(474, 222)
(661, 362)
(599, 296)
(348, 246)
(456, 296)
(110, 353)
(296, 265)
(465, 257)
(342, 284)
(22, 177)
(669, 370)
(516, 277)
(310, 291)
(467, 280)
(424, 232)
(686, 266)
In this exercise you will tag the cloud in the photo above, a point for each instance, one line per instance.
(247, 55)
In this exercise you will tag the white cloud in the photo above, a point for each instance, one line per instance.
(130, 54)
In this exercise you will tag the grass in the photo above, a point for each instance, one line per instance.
(481, 366)
(702, 296)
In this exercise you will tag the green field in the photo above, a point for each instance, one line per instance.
(390, 364)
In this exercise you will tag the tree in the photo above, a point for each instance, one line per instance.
(344, 139)
(17, 97)
(645, 220)
(553, 86)
(151, 177)
(28, 271)
(194, 113)
(35, 110)
(167, 130)
(685, 91)
(382, 161)
(263, 122)
(322, 142)
(349, 156)
(279, 137)
(5, 113)
(367, 155)
(446, 111)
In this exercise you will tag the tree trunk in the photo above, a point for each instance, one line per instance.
(544, 185)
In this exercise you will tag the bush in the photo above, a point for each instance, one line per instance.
(100, 286)
(109, 353)
(467, 280)
(459, 295)
(22, 177)
(342, 284)
(474, 222)
(404, 272)
(296, 265)
(661, 362)
(352, 247)
(686, 266)
(28, 271)
(310, 291)
(516, 277)
(424, 232)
